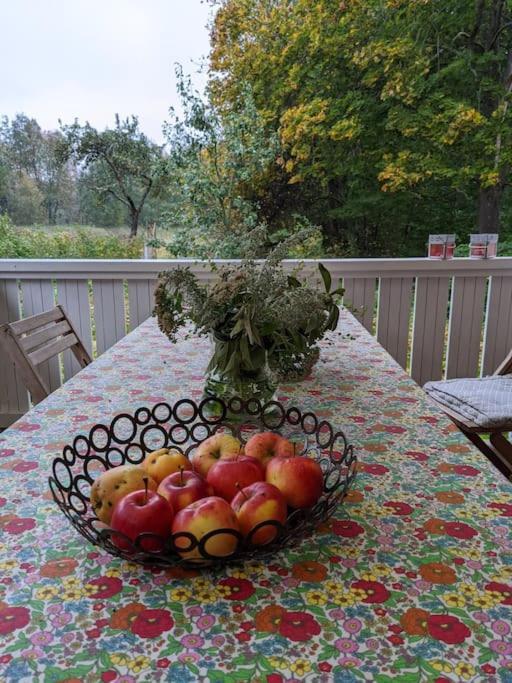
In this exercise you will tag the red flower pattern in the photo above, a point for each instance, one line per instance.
(419, 456)
(399, 508)
(107, 586)
(504, 508)
(376, 591)
(27, 427)
(347, 528)
(373, 468)
(19, 525)
(6, 452)
(274, 678)
(488, 669)
(447, 629)
(13, 618)
(298, 626)
(151, 623)
(466, 470)
(502, 588)
(460, 530)
(241, 589)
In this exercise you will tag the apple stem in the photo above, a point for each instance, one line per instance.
(146, 481)
(241, 490)
(181, 475)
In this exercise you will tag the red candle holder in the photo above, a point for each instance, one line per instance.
(441, 247)
(483, 246)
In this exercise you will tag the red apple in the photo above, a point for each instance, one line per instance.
(219, 446)
(257, 503)
(183, 488)
(300, 480)
(265, 445)
(228, 476)
(142, 512)
(199, 519)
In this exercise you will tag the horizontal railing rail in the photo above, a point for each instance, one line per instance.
(124, 268)
(436, 318)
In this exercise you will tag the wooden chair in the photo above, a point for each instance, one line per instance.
(31, 341)
(499, 451)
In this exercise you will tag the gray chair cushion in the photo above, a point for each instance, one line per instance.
(486, 401)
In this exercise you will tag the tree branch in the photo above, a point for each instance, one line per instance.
(120, 199)
(117, 176)
(146, 192)
(498, 32)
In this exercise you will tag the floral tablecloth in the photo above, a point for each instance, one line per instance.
(412, 580)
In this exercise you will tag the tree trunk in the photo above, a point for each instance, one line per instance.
(134, 222)
(51, 212)
(489, 198)
(489, 204)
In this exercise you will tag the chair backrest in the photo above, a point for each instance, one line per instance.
(31, 341)
(506, 367)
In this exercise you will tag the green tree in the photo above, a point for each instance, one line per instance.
(216, 167)
(34, 166)
(122, 163)
(25, 203)
(393, 115)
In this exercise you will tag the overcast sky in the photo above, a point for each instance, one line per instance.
(61, 59)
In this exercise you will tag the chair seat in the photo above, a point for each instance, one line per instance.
(486, 402)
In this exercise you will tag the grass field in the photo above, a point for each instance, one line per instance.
(118, 231)
(123, 232)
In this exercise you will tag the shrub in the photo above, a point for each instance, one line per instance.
(78, 243)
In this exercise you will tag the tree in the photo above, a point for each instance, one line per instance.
(125, 163)
(102, 210)
(216, 167)
(36, 170)
(392, 114)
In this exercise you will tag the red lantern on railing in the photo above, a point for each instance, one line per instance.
(483, 246)
(441, 246)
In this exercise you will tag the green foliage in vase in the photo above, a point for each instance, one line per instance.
(255, 311)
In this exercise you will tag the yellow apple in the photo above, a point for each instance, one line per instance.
(159, 464)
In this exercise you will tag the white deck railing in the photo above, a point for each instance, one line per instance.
(436, 318)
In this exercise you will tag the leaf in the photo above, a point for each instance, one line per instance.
(293, 282)
(53, 674)
(332, 320)
(244, 351)
(264, 665)
(410, 677)
(326, 277)
(238, 327)
(104, 659)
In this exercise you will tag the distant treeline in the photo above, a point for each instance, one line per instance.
(43, 180)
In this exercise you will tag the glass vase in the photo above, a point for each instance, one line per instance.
(246, 383)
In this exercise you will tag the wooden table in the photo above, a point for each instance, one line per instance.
(412, 580)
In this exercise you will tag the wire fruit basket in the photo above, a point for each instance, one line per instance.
(184, 425)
